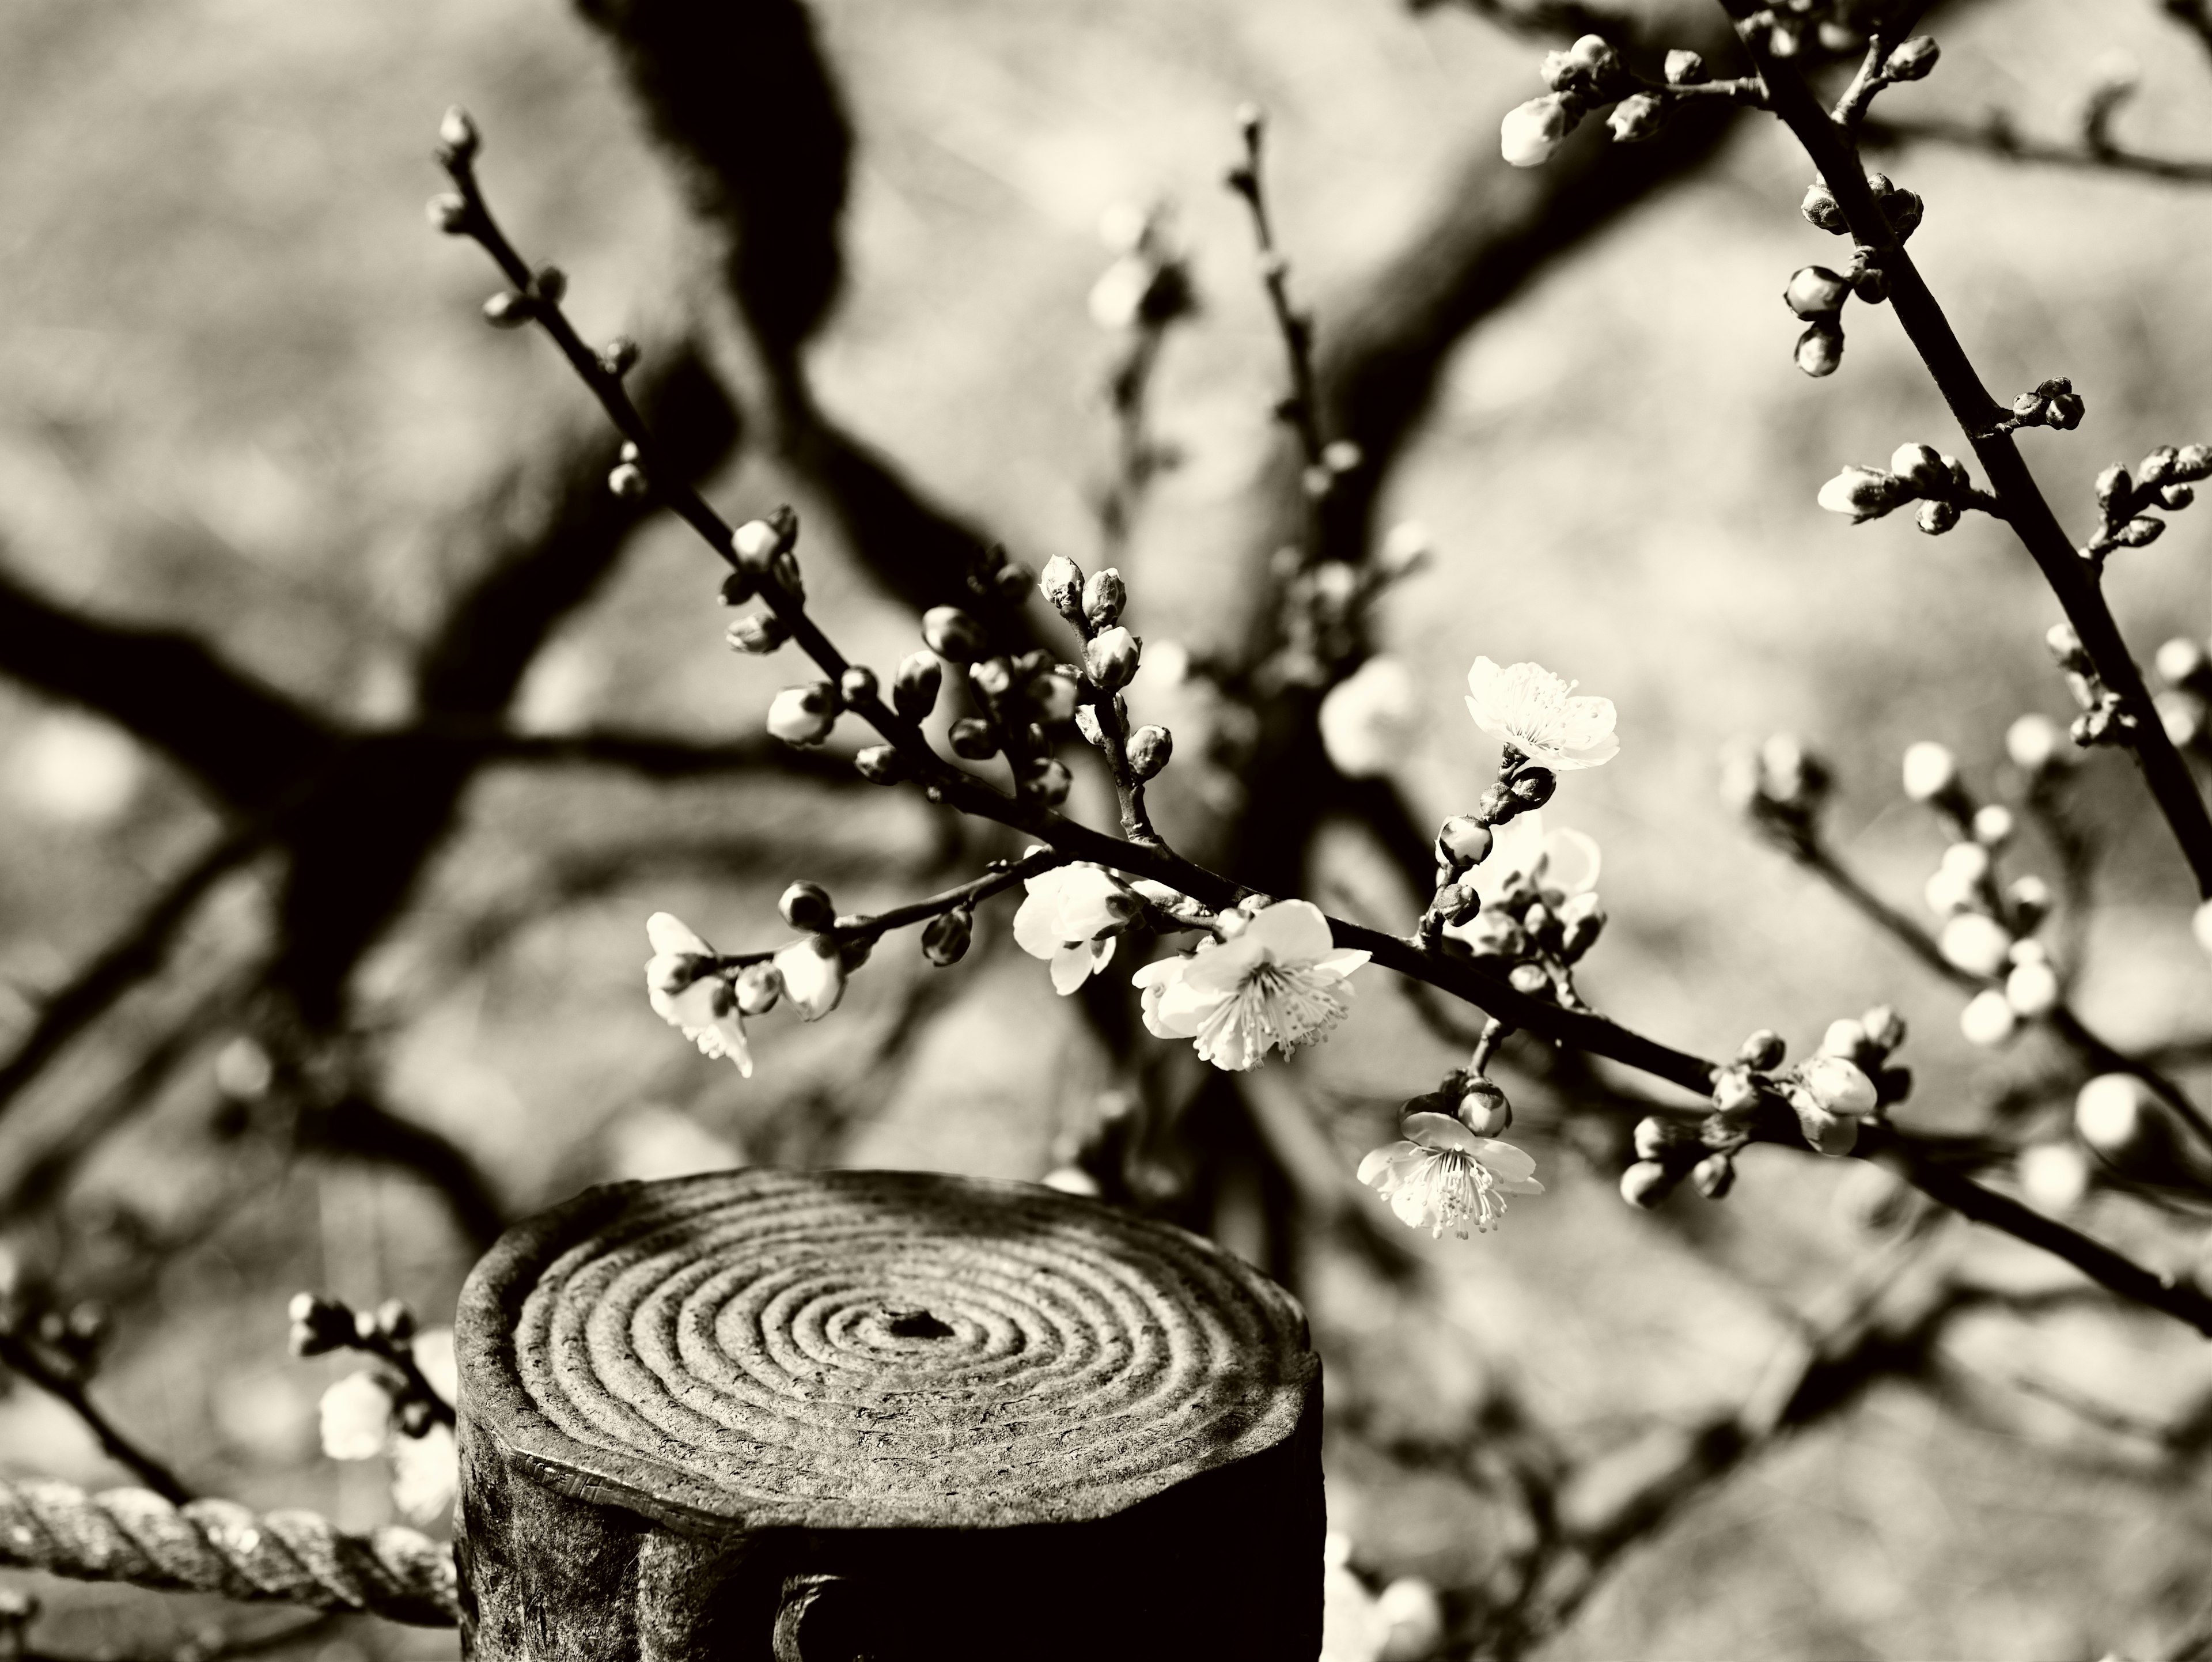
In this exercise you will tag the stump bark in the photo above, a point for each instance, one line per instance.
(884, 1415)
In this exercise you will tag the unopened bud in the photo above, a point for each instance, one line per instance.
(457, 134)
(1637, 118)
(756, 543)
(952, 635)
(804, 715)
(1456, 902)
(449, 212)
(1763, 1050)
(1685, 69)
(1993, 826)
(619, 356)
(1912, 60)
(2112, 1113)
(2065, 648)
(1104, 596)
(972, 739)
(1930, 771)
(1820, 208)
(1735, 1092)
(1150, 746)
(1815, 291)
(945, 938)
(880, 765)
(1935, 518)
(1988, 1018)
(1864, 493)
(1975, 943)
(915, 684)
(1532, 133)
(1484, 1109)
(2032, 742)
(1533, 786)
(1063, 583)
(1653, 1137)
(1714, 1175)
(1462, 841)
(2140, 532)
(807, 906)
(1885, 1028)
(507, 310)
(1049, 782)
(2032, 989)
(2112, 484)
(992, 677)
(1820, 352)
(756, 987)
(757, 633)
(628, 481)
(1111, 657)
(1646, 1184)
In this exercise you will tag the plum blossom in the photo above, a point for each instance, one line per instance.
(357, 1417)
(1562, 860)
(1536, 712)
(685, 991)
(426, 1471)
(1071, 918)
(1278, 983)
(1445, 1176)
(813, 972)
(1368, 717)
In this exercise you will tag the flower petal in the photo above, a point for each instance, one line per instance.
(1503, 1161)
(1571, 862)
(670, 934)
(1071, 967)
(1033, 923)
(1443, 1131)
(1291, 932)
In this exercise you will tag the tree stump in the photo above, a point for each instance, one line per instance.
(884, 1416)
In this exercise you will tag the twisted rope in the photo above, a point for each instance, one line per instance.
(133, 1535)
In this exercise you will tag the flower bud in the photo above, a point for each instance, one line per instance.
(1966, 864)
(1988, 1018)
(508, 310)
(2032, 990)
(1533, 786)
(2054, 1176)
(1637, 118)
(1462, 841)
(1930, 771)
(1820, 208)
(458, 134)
(973, 740)
(1735, 1092)
(1654, 1136)
(1833, 1135)
(952, 635)
(1646, 1184)
(756, 543)
(2140, 532)
(1593, 54)
(1529, 980)
(1086, 723)
(807, 906)
(1912, 60)
(1103, 597)
(1901, 208)
(1582, 921)
(619, 356)
(757, 633)
(2032, 742)
(1864, 493)
(1976, 943)
(945, 938)
(1063, 583)
(1763, 1050)
(857, 685)
(804, 715)
(915, 684)
(1993, 825)
(2113, 1113)
(1049, 782)
(1685, 69)
(1815, 291)
(1456, 902)
(1532, 133)
(992, 677)
(1484, 1109)
(756, 988)
(1150, 746)
(1714, 1175)
(880, 765)
(1836, 1085)
(1820, 352)
(813, 971)
(449, 212)
(1843, 1039)
(1885, 1028)
(2112, 485)
(1935, 518)
(2030, 899)
(2065, 648)
(1111, 657)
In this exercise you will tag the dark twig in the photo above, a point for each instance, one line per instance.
(21, 1355)
(1995, 135)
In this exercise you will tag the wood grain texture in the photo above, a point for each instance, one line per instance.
(952, 1417)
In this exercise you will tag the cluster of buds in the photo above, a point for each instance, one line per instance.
(1536, 931)
(1475, 1102)
(2104, 719)
(1590, 73)
(1916, 473)
(321, 1326)
(763, 555)
(1989, 928)
(1848, 1080)
(2185, 703)
(2054, 404)
(1901, 210)
(2165, 478)
(1093, 605)
(1780, 785)
(1816, 295)
(75, 1336)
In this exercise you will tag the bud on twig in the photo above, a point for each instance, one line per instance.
(804, 715)
(1912, 60)
(945, 938)
(857, 685)
(952, 635)
(757, 987)
(1103, 597)
(757, 633)
(1150, 747)
(1063, 583)
(1049, 782)
(807, 906)
(914, 686)
(880, 765)
(458, 138)
(449, 212)
(1111, 657)
(628, 481)
(972, 739)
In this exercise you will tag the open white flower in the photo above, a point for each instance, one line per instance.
(426, 1471)
(1445, 1176)
(357, 1417)
(1280, 983)
(1071, 918)
(1368, 718)
(1536, 712)
(686, 995)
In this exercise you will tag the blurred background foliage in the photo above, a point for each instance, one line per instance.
(245, 400)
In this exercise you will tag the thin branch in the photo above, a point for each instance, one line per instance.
(1980, 416)
(21, 1355)
(1995, 135)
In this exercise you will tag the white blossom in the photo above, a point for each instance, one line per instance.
(426, 1471)
(813, 973)
(1975, 943)
(1367, 719)
(687, 994)
(2112, 1111)
(1070, 917)
(1536, 712)
(1532, 133)
(1929, 769)
(1988, 1018)
(1562, 861)
(1280, 983)
(357, 1417)
(1444, 1176)
(2054, 1176)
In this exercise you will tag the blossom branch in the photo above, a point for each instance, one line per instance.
(65, 1385)
(1301, 409)
(1995, 134)
(1831, 150)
